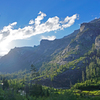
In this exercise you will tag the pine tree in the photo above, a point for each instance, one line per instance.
(83, 76)
(87, 73)
(33, 70)
(5, 83)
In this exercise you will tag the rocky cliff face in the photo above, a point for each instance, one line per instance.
(81, 43)
(97, 42)
(59, 51)
(86, 36)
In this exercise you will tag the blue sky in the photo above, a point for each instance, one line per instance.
(26, 22)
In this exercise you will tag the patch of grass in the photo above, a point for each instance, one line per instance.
(78, 67)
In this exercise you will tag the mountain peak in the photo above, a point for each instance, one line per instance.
(45, 43)
(92, 25)
(95, 20)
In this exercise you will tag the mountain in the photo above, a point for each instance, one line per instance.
(82, 42)
(22, 57)
(61, 59)
(82, 53)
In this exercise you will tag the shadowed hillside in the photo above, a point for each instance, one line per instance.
(60, 61)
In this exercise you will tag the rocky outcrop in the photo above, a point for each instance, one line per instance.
(81, 43)
(97, 42)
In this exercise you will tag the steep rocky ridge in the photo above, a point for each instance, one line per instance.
(88, 35)
(22, 57)
(60, 51)
(82, 42)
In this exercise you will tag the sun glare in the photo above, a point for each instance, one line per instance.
(4, 48)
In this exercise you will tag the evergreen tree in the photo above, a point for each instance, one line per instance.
(87, 73)
(83, 76)
(33, 70)
(5, 83)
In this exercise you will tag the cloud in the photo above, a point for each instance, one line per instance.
(95, 17)
(8, 33)
(31, 21)
(48, 37)
(68, 21)
(39, 18)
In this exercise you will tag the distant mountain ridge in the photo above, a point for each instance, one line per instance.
(22, 57)
(65, 51)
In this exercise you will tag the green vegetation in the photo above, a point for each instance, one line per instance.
(72, 40)
(21, 90)
(20, 85)
(50, 70)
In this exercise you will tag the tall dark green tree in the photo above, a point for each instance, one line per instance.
(83, 76)
(5, 83)
(87, 72)
(33, 70)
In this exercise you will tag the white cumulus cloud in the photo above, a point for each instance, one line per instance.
(8, 33)
(68, 21)
(31, 21)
